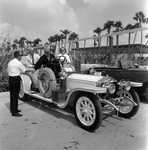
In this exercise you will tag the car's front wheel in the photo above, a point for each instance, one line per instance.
(126, 107)
(88, 111)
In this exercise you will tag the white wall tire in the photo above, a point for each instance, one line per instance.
(47, 82)
(131, 110)
(88, 111)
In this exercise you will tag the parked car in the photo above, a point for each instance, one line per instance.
(91, 96)
(125, 70)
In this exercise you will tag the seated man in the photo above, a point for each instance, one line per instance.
(92, 71)
(45, 60)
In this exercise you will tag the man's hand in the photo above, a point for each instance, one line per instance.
(30, 69)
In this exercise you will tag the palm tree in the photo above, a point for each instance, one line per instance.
(73, 36)
(65, 32)
(146, 38)
(51, 39)
(21, 42)
(16, 42)
(62, 37)
(28, 43)
(37, 41)
(107, 26)
(129, 27)
(140, 18)
(56, 39)
(14, 46)
(98, 31)
(118, 27)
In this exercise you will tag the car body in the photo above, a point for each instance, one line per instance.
(123, 70)
(91, 96)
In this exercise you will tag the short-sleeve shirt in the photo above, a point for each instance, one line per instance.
(15, 68)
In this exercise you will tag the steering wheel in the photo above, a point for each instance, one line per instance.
(61, 59)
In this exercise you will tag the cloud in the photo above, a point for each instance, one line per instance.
(77, 5)
(44, 18)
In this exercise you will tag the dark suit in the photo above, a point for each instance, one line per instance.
(45, 62)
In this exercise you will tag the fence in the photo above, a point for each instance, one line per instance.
(107, 49)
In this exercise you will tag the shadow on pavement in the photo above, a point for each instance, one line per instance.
(52, 109)
(66, 113)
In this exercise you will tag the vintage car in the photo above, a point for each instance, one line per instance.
(91, 96)
(124, 70)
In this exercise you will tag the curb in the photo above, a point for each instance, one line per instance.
(4, 94)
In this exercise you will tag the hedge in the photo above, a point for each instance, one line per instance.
(4, 85)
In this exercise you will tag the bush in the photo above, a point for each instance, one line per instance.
(4, 85)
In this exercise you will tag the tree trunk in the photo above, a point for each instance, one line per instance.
(129, 39)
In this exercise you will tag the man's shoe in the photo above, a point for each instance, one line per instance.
(17, 115)
(19, 111)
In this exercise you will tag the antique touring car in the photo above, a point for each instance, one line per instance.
(91, 96)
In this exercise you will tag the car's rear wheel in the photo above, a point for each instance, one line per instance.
(126, 107)
(22, 95)
(88, 111)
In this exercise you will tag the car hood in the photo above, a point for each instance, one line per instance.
(90, 78)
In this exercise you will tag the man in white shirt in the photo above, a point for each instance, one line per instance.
(15, 68)
(32, 57)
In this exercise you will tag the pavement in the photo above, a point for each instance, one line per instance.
(46, 127)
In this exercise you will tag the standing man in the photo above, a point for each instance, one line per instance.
(32, 57)
(15, 68)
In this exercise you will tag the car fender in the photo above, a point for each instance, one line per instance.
(26, 82)
(73, 93)
(136, 84)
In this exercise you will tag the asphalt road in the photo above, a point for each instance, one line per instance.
(45, 127)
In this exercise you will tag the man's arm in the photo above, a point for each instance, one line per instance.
(24, 69)
(39, 63)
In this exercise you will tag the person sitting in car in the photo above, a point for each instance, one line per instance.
(63, 53)
(45, 60)
(92, 71)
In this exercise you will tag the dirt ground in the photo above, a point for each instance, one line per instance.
(45, 127)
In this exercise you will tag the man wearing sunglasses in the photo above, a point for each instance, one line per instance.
(45, 60)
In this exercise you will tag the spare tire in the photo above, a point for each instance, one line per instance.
(46, 82)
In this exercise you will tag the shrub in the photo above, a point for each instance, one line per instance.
(4, 85)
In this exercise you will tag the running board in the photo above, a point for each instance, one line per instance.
(39, 96)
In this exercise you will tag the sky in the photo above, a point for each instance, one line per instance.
(44, 18)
